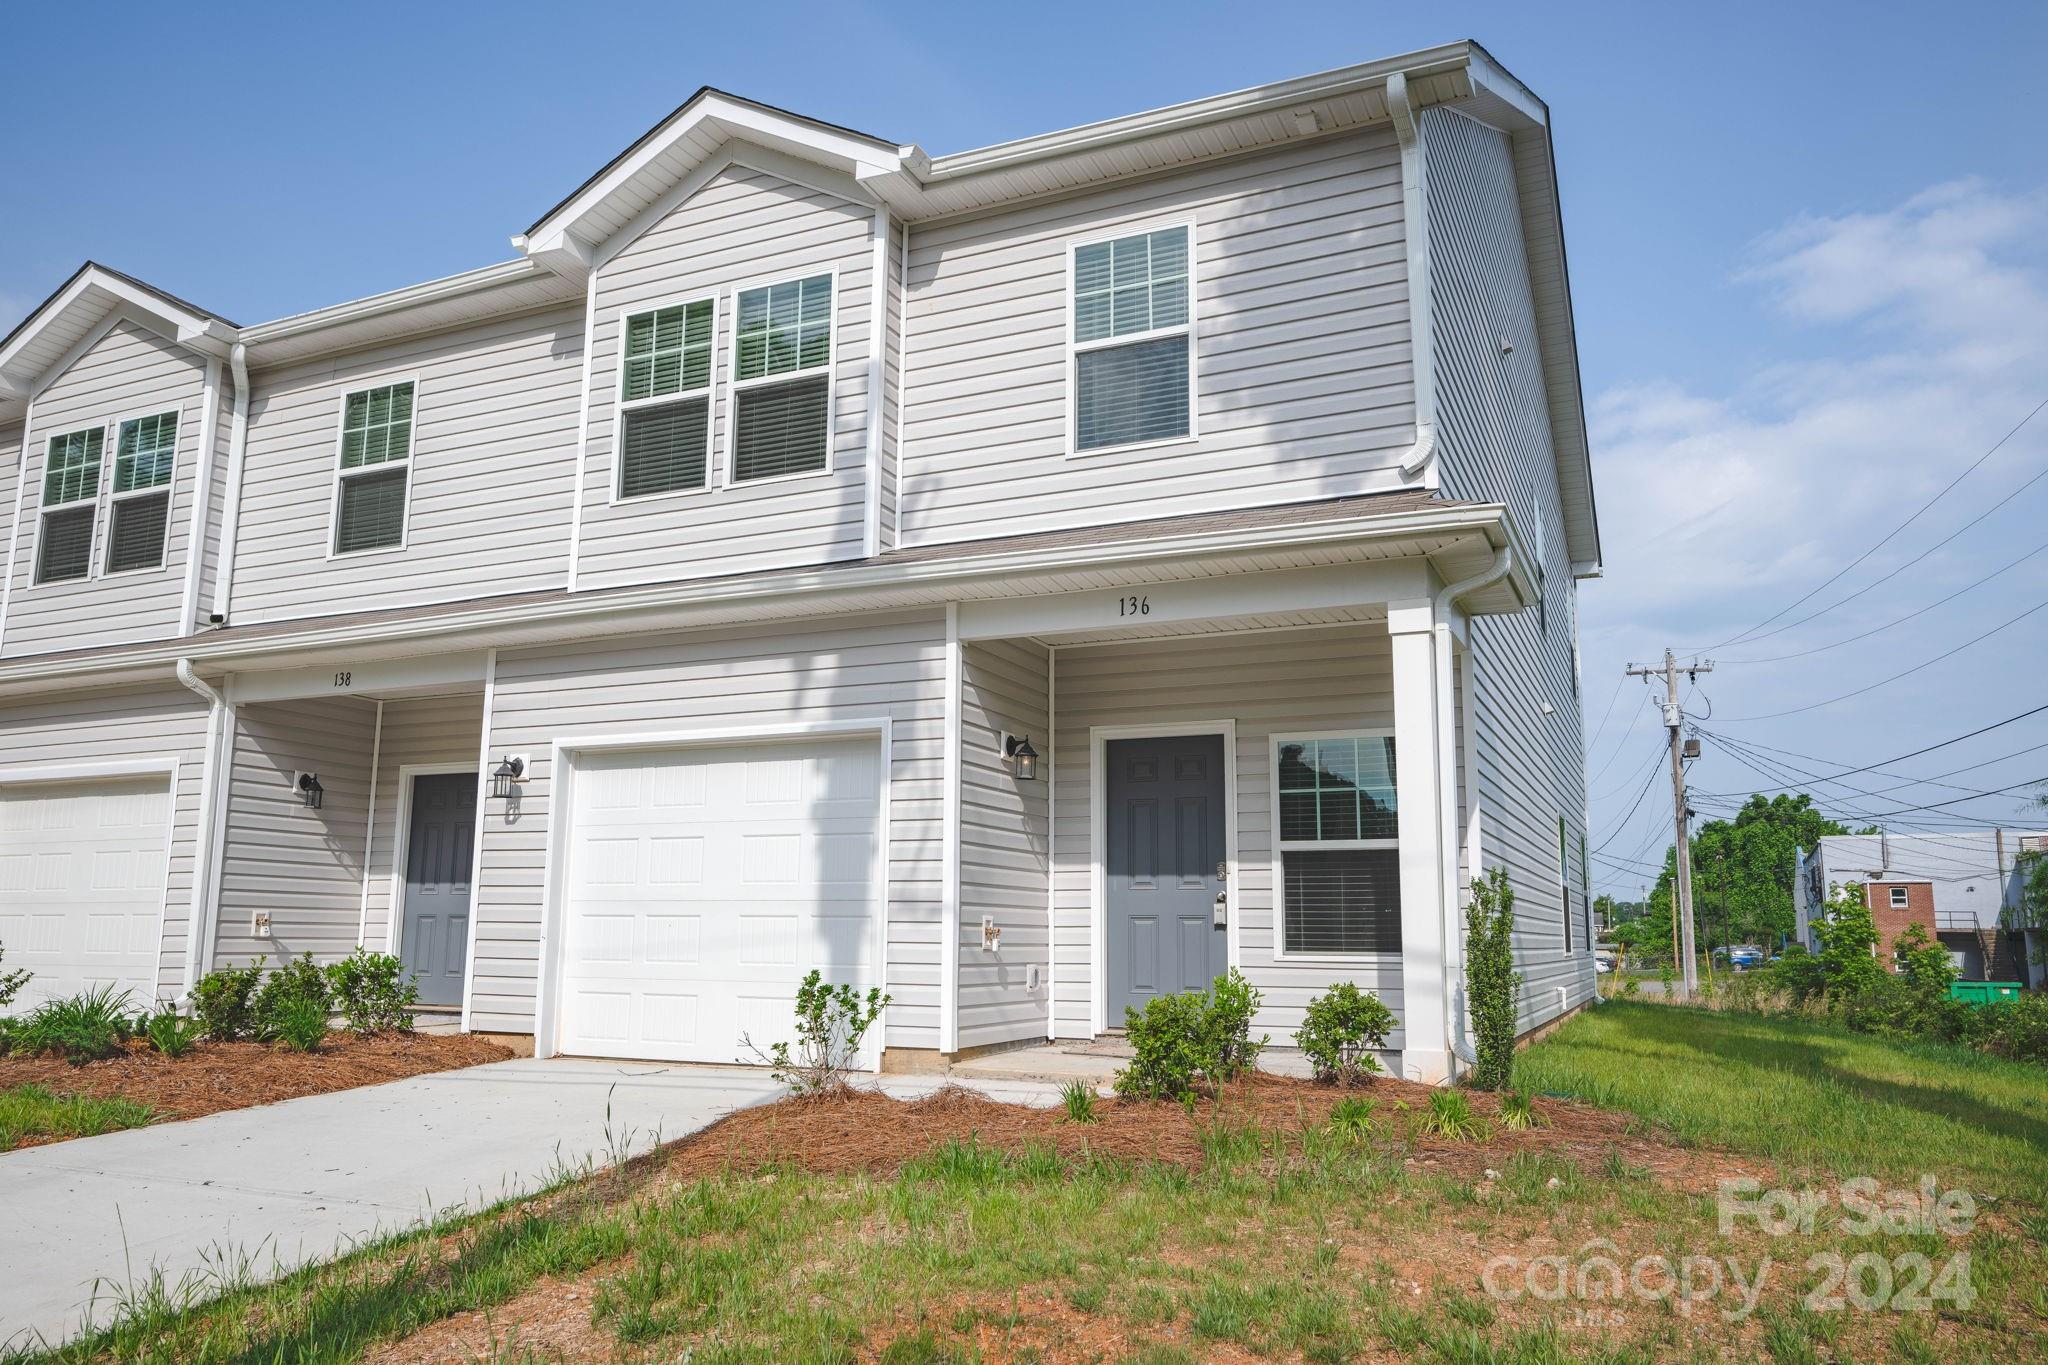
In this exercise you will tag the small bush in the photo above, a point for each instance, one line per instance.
(372, 993)
(1351, 1117)
(1341, 1030)
(223, 1002)
(1450, 1116)
(1491, 982)
(81, 1028)
(2016, 1028)
(1078, 1097)
(1169, 1043)
(170, 1032)
(831, 1021)
(299, 1022)
(1233, 1002)
(11, 982)
(297, 980)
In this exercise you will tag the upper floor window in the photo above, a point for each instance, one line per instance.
(665, 399)
(1132, 332)
(374, 468)
(1564, 883)
(1900, 898)
(1339, 846)
(782, 379)
(145, 456)
(71, 487)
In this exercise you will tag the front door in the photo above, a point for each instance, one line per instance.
(434, 937)
(1166, 863)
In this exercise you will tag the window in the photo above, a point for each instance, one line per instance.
(374, 468)
(1132, 332)
(782, 379)
(1340, 868)
(1899, 898)
(145, 455)
(1586, 892)
(71, 488)
(1564, 883)
(665, 399)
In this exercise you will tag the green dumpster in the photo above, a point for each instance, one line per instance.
(1983, 992)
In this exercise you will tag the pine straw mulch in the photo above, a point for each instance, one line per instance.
(862, 1130)
(213, 1077)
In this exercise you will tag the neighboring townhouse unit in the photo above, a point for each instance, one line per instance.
(1963, 889)
(1030, 580)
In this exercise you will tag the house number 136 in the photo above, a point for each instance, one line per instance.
(1133, 606)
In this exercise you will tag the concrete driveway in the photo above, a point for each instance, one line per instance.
(286, 1183)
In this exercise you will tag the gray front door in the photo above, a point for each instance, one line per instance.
(1166, 857)
(435, 934)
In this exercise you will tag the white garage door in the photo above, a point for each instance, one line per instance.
(82, 884)
(704, 883)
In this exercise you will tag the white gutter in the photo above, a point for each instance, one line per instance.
(199, 923)
(1443, 679)
(1421, 457)
(202, 497)
(231, 515)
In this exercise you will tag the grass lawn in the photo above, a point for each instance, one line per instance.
(29, 1113)
(1280, 1236)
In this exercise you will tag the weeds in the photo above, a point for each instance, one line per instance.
(1078, 1099)
(1450, 1117)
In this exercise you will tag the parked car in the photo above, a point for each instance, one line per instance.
(1743, 956)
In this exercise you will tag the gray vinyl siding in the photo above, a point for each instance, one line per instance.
(1004, 856)
(1302, 359)
(303, 866)
(742, 228)
(1496, 446)
(732, 680)
(129, 372)
(414, 730)
(12, 458)
(1278, 683)
(127, 725)
(494, 446)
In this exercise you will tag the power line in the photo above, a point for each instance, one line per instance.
(1822, 649)
(1881, 791)
(1762, 767)
(1616, 833)
(1883, 540)
(1887, 762)
(1621, 740)
(1886, 682)
(1612, 698)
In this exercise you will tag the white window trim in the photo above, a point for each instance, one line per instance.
(169, 488)
(412, 450)
(1075, 349)
(1901, 898)
(621, 405)
(734, 385)
(96, 502)
(1282, 847)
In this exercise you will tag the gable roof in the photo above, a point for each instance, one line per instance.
(64, 319)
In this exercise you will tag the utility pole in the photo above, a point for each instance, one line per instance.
(1674, 720)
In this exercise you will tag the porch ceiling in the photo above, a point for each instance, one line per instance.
(1232, 625)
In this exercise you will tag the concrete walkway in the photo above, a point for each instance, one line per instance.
(272, 1187)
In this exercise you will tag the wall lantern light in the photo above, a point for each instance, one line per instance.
(309, 789)
(1022, 758)
(506, 777)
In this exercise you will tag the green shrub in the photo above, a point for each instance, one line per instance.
(300, 979)
(1491, 983)
(372, 993)
(10, 1029)
(299, 1022)
(831, 1021)
(170, 1032)
(1341, 1030)
(1450, 1116)
(1078, 1098)
(1191, 1039)
(2016, 1028)
(81, 1028)
(11, 982)
(223, 1002)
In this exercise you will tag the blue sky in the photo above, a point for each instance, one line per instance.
(1806, 246)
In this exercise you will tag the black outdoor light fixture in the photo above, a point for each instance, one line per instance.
(1022, 758)
(505, 778)
(310, 790)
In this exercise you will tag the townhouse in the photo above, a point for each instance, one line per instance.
(1030, 580)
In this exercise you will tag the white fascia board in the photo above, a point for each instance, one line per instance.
(656, 606)
(1494, 79)
(396, 300)
(89, 291)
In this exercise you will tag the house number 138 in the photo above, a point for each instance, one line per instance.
(1133, 606)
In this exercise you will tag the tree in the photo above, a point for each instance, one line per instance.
(1742, 871)
(1848, 942)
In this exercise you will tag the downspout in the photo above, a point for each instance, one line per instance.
(199, 926)
(1446, 744)
(1420, 458)
(231, 515)
(202, 498)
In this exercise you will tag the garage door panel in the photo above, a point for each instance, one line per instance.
(704, 884)
(83, 868)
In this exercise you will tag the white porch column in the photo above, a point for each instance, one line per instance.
(1419, 791)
